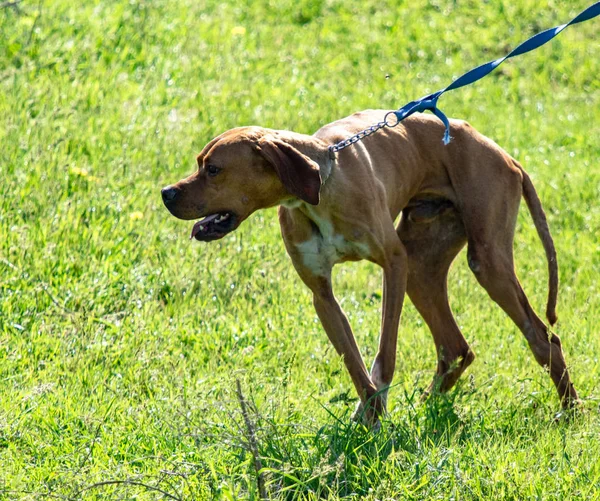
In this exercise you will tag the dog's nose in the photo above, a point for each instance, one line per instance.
(168, 194)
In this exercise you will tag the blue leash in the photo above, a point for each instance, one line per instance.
(429, 102)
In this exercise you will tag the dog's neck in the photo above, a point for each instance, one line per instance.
(327, 165)
(314, 148)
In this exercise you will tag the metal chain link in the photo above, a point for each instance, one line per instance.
(357, 137)
(365, 133)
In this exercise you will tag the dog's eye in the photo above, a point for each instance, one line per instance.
(212, 170)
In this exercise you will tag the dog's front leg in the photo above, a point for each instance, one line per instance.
(340, 334)
(314, 269)
(394, 288)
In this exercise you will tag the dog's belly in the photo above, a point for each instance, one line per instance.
(430, 223)
(427, 210)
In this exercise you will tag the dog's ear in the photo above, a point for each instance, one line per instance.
(299, 174)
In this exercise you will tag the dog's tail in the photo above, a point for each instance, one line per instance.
(541, 225)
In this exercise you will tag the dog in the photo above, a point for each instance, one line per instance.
(337, 207)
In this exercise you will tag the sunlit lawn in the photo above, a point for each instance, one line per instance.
(121, 341)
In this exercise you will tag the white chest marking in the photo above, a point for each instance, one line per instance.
(321, 252)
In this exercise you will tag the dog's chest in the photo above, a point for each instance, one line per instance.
(327, 247)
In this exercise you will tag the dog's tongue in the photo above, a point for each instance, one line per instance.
(200, 224)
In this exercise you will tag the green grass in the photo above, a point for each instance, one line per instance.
(120, 340)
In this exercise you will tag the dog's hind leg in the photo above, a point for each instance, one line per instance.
(493, 266)
(490, 228)
(432, 243)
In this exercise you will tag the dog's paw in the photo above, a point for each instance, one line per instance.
(572, 409)
(368, 414)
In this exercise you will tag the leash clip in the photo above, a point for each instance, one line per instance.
(426, 103)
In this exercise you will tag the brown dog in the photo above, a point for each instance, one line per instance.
(342, 207)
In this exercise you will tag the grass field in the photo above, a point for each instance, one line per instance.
(121, 341)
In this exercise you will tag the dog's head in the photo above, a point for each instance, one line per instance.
(244, 170)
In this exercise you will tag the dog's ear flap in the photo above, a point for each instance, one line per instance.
(299, 174)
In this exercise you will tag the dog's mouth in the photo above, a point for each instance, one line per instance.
(214, 226)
